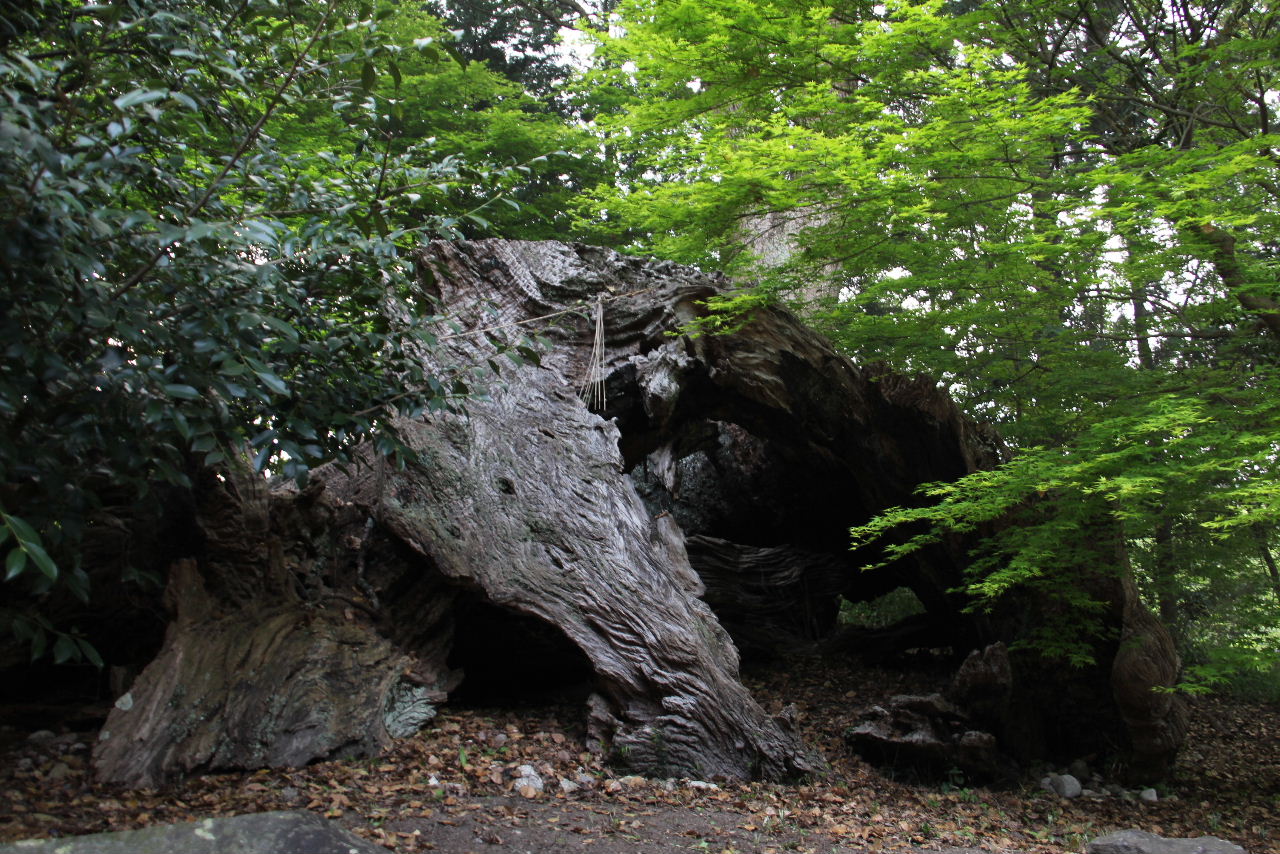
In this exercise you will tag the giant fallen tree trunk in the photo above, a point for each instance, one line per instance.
(320, 624)
(526, 496)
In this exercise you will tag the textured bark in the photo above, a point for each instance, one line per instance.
(766, 594)
(527, 498)
(265, 663)
(319, 624)
(1155, 720)
(286, 701)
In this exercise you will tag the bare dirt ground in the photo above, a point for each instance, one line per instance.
(453, 789)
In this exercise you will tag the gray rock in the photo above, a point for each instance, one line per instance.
(263, 833)
(40, 736)
(408, 708)
(528, 776)
(1141, 842)
(568, 786)
(1065, 785)
(1149, 795)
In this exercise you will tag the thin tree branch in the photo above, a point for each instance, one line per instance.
(272, 105)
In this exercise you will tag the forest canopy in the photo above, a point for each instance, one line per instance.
(1066, 213)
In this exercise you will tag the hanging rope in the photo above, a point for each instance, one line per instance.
(592, 390)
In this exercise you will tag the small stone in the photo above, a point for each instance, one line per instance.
(25, 763)
(1149, 795)
(289, 793)
(1065, 785)
(568, 786)
(704, 786)
(631, 781)
(529, 778)
(60, 771)
(40, 736)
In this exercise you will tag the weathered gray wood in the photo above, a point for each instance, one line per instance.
(767, 596)
(526, 496)
(266, 662)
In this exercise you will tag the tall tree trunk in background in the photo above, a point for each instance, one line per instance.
(1227, 263)
(1164, 571)
(1260, 534)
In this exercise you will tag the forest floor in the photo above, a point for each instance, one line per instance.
(451, 789)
